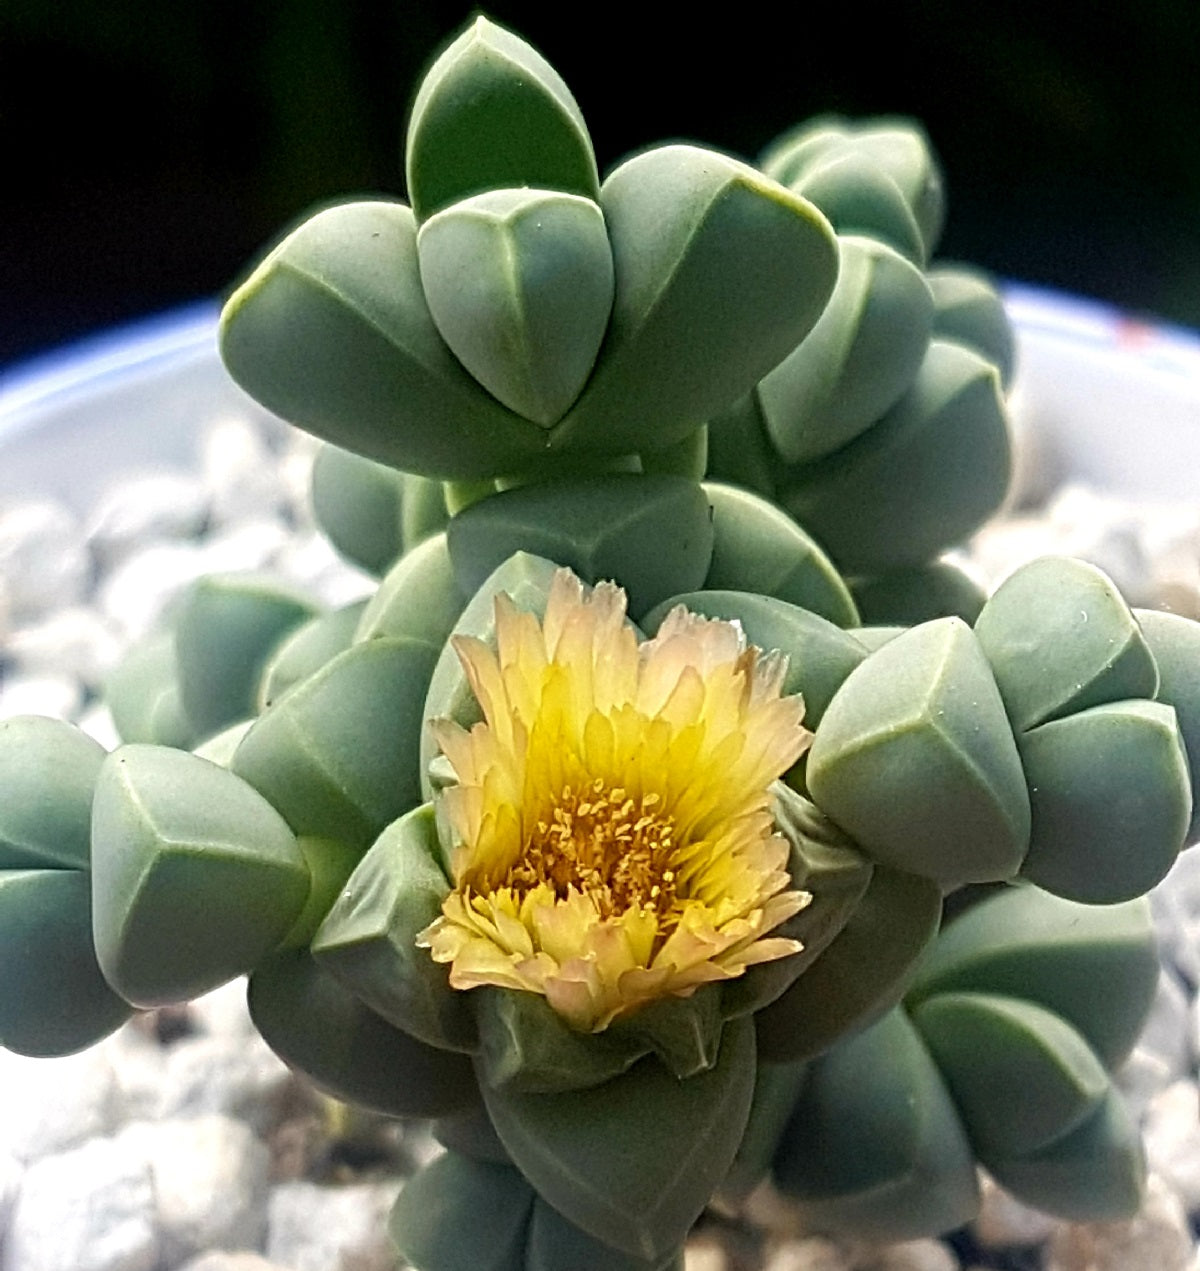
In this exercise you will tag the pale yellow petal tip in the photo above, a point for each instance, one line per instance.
(614, 844)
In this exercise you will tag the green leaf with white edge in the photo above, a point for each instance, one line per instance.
(142, 693)
(1020, 1075)
(492, 113)
(758, 548)
(337, 754)
(554, 1243)
(1097, 1173)
(1094, 965)
(653, 535)
(719, 274)
(1060, 638)
(460, 1214)
(739, 450)
(520, 284)
(861, 974)
(314, 1023)
(54, 1000)
(369, 937)
(332, 332)
(195, 876)
(826, 864)
(777, 1087)
(48, 769)
(857, 360)
(915, 760)
(1111, 796)
(874, 1147)
(358, 503)
(1174, 643)
(820, 655)
(306, 650)
(525, 1046)
(418, 597)
(918, 481)
(969, 310)
(525, 579)
(633, 1161)
(226, 627)
(907, 597)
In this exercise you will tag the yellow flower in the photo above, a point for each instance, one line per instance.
(612, 811)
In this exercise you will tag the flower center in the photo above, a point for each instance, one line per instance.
(600, 841)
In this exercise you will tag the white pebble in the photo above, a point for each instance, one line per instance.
(909, 1255)
(809, 1253)
(239, 470)
(90, 1209)
(210, 1184)
(706, 1256)
(42, 558)
(97, 721)
(314, 1228)
(310, 560)
(138, 510)
(224, 1011)
(1157, 1239)
(50, 1105)
(1172, 1135)
(1004, 1223)
(74, 641)
(135, 593)
(248, 545)
(55, 695)
(10, 1182)
(236, 1075)
(222, 1261)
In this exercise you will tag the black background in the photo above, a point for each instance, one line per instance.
(151, 148)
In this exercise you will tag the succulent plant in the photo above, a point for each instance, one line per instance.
(604, 833)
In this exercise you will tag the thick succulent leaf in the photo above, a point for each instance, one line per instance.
(331, 331)
(418, 598)
(863, 972)
(874, 1147)
(916, 761)
(1096, 966)
(719, 274)
(932, 470)
(313, 1022)
(526, 1046)
(226, 627)
(142, 693)
(1019, 1074)
(1174, 643)
(633, 1161)
(358, 503)
(195, 877)
(1094, 1174)
(825, 863)
(369, 936)
(461, 1214)
(757, 548)
(221, 747)
(875, 637)
(525, 579)
(969, 310)
(422, 509)
(472, 1134)
(337, 755)
(520, 284)
(777, 1087)
(739, 450)
(555, 1243)
(910, 596)
(653, 535)
(684, 1032)
(1060, 638)
(492, 113)
(329, 866)
(688, 457)
(857, 360)
(53, 998)
(48, 770)
(820, 654)
(306, 650)
(1111, 796)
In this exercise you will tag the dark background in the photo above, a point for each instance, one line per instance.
(151, 148)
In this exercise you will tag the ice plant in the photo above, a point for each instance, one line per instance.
(614, 836)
